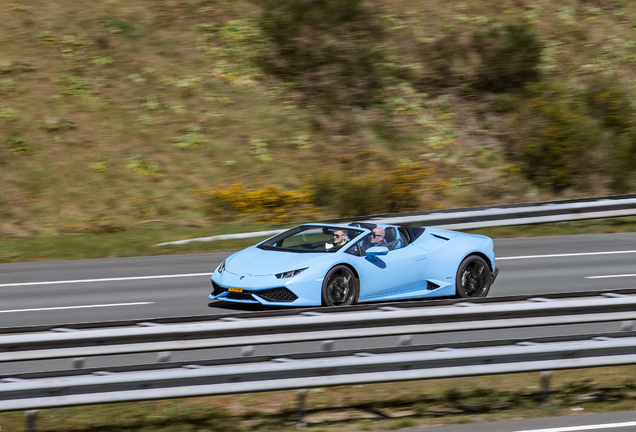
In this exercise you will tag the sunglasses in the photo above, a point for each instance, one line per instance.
(376, 235)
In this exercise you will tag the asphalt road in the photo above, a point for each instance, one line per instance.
(59, 292)
(54, 293)
(624, 421)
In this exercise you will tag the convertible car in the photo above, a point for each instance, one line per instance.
(311, 265)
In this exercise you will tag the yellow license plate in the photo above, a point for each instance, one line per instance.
(235, 289)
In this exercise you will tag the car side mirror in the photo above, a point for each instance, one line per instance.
(377, 250)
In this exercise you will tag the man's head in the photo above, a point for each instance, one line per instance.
(339, 237)
(377, 236)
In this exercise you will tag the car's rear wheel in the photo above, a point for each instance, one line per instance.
(473, 278)
(340, 287)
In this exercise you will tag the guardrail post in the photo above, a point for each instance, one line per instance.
(327, 345)
(164, 357)
(247, 351)
(29, 416)
(301, 395)
(405, 340)
(545, 386)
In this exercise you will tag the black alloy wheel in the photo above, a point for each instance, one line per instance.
(473, 278)
(340, 287)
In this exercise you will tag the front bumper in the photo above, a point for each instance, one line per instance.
(265, 296)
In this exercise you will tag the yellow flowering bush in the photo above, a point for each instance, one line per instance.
(401, 187)
(269, 204)
(405, 181)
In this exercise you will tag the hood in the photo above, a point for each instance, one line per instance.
(258, 262)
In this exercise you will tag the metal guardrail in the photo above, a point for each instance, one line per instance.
(326, 350)
(392, 321)
(487, 216)
(318, 369)
(519, 214)
(298, 374)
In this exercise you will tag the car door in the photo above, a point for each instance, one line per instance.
(401, 269)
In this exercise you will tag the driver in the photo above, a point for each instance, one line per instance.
(339, 239)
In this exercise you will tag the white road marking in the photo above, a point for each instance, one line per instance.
(583, 428)
(103, 280)
(209, 274)
(610, 276)
(566, 255)
(75, 307)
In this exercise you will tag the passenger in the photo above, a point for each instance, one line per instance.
(377, 237)
(339, 239)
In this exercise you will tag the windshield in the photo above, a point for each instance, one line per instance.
(311, 238)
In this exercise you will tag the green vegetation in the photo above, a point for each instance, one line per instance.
(127, 111)
(329, 51)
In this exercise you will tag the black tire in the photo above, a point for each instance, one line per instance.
(473, 278)
(340, 287)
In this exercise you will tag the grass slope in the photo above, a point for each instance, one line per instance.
(115, 113)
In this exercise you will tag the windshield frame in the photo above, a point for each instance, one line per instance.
(314, 238)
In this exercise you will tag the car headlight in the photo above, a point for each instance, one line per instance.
(290, 273)
(221, 268)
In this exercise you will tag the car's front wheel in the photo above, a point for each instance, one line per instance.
(473, 278)
(340, 287)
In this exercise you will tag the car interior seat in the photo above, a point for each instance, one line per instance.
(391, 238)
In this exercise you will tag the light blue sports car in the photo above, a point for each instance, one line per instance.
(333, 265)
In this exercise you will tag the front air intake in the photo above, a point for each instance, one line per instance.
(277, 295)
(217, 289)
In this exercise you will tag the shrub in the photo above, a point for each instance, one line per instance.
(404, 182)
(99, 166)
(609, 103)
(9, 114)
(329, 50)
(53, 125)
(443, 58)
(258, 148)
(553, 138)
(192, 138)
(346, 194)
(139, 164)
(74, 85)
(302, 142)
(8, 85)
(151, 104)
(16, 67)
(568, 392)
(508, 57)
(497, 59)
(622, 164)
(20, 145)
(267, 204)
(563, 138)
